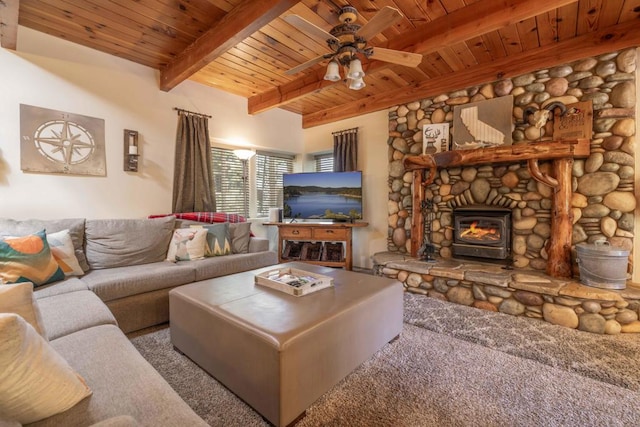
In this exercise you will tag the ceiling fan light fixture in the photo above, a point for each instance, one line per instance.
(356, 84)
(355, 69)
(333, 72)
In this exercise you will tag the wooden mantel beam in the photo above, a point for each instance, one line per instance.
(573, 148)
(608, 39)
(242, 21)
(9, 11)
(460, 25)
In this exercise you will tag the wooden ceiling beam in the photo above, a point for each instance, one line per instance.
(241, 22)
(471, 21)
(9, 11)
(617, 37)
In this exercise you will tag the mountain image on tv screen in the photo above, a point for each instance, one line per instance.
(323, 195)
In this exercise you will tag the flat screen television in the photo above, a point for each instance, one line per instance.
(333, 196)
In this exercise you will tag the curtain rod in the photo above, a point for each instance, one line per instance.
(342, 132)
(180, 110)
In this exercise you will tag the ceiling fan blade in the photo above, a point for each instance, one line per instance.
(399, 57)
(306, 65)
(309, 28)
(386, 17)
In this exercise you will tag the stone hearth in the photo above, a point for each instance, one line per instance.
(520, 292)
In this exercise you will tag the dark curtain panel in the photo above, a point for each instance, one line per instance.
(192, 178)
(345, 150)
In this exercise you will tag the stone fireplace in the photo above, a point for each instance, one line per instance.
(599, 185)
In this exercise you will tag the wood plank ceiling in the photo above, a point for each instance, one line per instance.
(244, 46)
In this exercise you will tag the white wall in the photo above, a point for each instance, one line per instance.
(52, 73)
(373, 132)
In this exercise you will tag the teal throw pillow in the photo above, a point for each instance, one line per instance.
(28, 259)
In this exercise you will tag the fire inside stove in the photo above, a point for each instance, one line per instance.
(482, 233)
(478, 232)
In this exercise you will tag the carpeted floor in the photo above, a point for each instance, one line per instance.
(452, 366)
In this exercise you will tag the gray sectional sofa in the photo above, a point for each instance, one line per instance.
(125, 288)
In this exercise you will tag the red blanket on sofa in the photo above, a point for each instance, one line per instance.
(210, 217)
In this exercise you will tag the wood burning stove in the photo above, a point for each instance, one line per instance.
(482, 232)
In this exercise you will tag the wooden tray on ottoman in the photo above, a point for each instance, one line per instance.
(280, 279)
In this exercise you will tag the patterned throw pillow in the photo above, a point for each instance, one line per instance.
(218, 239)
(187, 244)
(62, 249)
(28, 259)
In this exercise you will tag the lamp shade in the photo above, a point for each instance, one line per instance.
(355, 69)
(356, 84)
(244, 154)
(333, 72)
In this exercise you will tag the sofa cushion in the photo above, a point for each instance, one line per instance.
(28, 259)
(187, 244)
(123, 383)
(11, 227)
(119, 421)
(120, 282)
(67, 313)
(35, 381)
(62, 249)
(240, 233)
(221, 266)
(19, 299)
(71, 284)
(123, 242)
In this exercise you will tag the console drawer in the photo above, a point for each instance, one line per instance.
(330, 233)
(295, 233)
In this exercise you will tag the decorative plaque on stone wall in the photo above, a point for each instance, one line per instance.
(483, 123)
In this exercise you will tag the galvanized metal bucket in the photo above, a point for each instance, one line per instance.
(602, 266)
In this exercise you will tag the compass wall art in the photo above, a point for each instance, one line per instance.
(57, 142)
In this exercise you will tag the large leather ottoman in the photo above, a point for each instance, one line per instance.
(278, 352)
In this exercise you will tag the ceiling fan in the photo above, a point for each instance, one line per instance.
(347, 40)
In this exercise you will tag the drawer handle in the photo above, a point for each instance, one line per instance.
(329, 231)
(295, 232)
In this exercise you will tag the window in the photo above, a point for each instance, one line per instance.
(269, 170)
(324, 162)
(230, 188)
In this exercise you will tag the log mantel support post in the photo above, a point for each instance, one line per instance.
(559, 246)
(417, 218)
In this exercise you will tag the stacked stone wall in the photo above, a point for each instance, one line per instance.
(603, 184)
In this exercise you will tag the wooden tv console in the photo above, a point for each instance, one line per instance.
(318, 232)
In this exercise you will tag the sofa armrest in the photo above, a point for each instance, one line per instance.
(258, 244)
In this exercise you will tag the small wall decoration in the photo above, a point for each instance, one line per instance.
(435, 138)
(483, 124)
(577, 122)
(59, 142)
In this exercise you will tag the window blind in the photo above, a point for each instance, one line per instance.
(230, 189)
(269, 170)
(324, 162)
